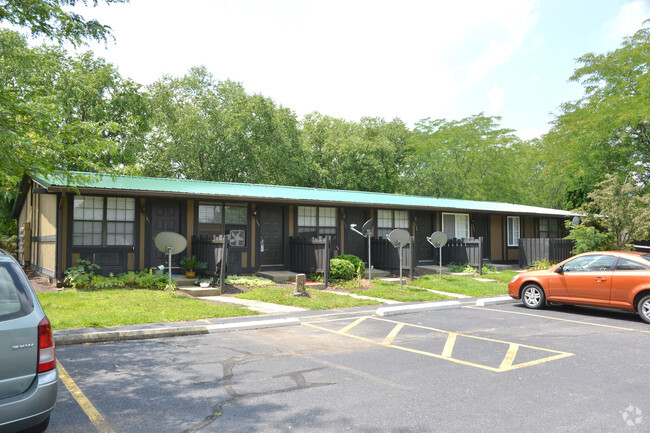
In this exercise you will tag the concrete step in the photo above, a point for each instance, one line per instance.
(376, 273)
(278, 276)
(431, 269)
(197, 291)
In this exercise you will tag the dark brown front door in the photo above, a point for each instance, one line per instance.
(481, 228)
(424, 228)
(271, 235)
(165, 217)
(354, 242)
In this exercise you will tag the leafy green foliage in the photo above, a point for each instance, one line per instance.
(588, 238)
(9, 243)
(363, 156)
(359, 267)
(209, 130)
(621, 208)
(53, 19)
(341, 269)
(607, 130)
(541, 264)
(192, 264)
(249, 281)
(82, 276)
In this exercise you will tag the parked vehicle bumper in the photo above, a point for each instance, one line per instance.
(31, 407)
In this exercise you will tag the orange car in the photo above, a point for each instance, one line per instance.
(608, 279)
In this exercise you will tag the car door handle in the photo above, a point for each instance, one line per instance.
(601, 279)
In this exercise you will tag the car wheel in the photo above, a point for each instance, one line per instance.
(533, 296)
(643, 307)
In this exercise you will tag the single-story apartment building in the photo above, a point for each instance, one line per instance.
(112, 221)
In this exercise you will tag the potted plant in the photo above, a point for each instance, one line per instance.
(191, 265)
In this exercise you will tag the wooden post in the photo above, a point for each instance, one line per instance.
(326, 267)
(480, 256)
(224, 263)
(300, 286)
(412, 254)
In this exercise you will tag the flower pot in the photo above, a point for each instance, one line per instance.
(190, 274)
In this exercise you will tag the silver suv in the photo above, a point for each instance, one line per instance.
(28, 377)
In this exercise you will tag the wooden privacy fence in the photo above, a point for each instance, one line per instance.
(386, 256)
(534, 249)
(308, 255)
(461, 251)
(209, 249)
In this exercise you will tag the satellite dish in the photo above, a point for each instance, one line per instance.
(170, 243)
(576, 220)
(368, 225)
(399, 236)
(438, 239)
(177, 242)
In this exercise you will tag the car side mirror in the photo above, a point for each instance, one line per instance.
(559, 270)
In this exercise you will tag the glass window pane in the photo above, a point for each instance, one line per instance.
(236, 214)
(449, 225)
(307, 216)
(401, 219)
(513, 231)
(385, 218)
(462, 226)
(327, 217)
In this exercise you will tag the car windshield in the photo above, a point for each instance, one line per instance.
(15, 301)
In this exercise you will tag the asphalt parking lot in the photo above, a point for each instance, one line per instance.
(496, 368)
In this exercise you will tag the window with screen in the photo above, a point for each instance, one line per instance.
(99, 221)
(549, 228)
(389, 220)
(513, 231)
(216, 219)
(314, 221)
(456, 225)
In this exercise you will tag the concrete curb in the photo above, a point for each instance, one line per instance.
(257, 324)
(495, 301)
(63, 338)
(414, 308)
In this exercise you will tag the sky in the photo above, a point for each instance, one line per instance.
(406, 59)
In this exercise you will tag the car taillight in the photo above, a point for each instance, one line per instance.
(46, 359)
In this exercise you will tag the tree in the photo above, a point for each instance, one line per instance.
(48, 18)
(472, 158)
(621, 208)
(35, 135)
(608, 129)
(210, 130)
(364, 156)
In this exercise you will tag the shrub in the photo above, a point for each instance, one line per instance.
(541, 264)
(9, 243)
(589, 238)
(341, 269)
(359, 267)
(249, 281)
(82, 276)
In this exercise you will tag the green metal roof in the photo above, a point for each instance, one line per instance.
(246, 191)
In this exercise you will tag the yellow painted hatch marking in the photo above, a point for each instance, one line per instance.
(390, 337)
(95, 417)
(507, 364)
(449, 345)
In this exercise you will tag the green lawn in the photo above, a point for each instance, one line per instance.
(114, 307)
(319, 300)
(462, 285)
(409, 293)
(503, 276)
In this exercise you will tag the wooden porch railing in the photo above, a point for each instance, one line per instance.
(534, 249)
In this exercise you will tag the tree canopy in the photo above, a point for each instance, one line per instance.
(607, 131)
